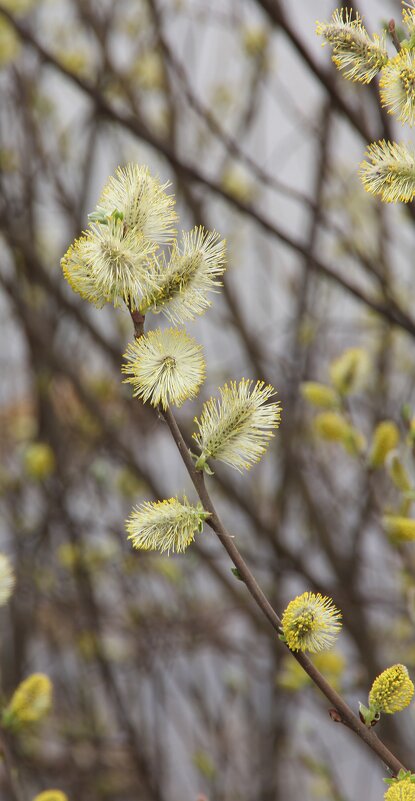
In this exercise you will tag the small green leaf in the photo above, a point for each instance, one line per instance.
(99, 217)
(117, 215)
(403, 774)
(236, 573)
(369, 715)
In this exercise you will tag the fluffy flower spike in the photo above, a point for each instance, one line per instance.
(141, 201)
(165, 525)
(402, 788)
(164, 367)
(311, 623)
(398, 472)
(117, 258)
(398, 528)
(349, 371)
(30, 702)
(78, 273)
(397, 86)
(181, 285)
(236, 428)
(354, 53)
(333, 426)
(385, 439)
(389, 171)
(320, 395)
(408, 17)
(51, 795)
(392, 690)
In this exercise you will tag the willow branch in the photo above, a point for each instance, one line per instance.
(342, 712)
(9, 770)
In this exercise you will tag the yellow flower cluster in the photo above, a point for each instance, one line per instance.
(51, 795)
(399, 529)
(120, 258)
(402, 788)
(392, 691)
(385, 439)
(30, 702)
(311, 622)
(164, 367)
(236, 428)
(397, 86)
(165, 525)
(389, 168)
(130, 256)
(389, 171)
(354, 53)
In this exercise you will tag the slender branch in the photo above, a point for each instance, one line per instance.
(394, 35)
(278, 16)
(138, 320)
(341, 713)
(9, 770)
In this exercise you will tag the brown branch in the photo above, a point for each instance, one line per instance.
(394, 35)
(275, 13)
(9, 770)
(345, 714)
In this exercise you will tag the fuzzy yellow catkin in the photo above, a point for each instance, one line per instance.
(236, 428)
(311, 622)
(397, 472)
(332, 426)
(255, 40)
(143, 202)
(354, 53)
(182, 282)
(389, 171)
(236, 184)
(51, 795)
(168, 525)
(403, 790)
(397, 86)
(349, 371)
(385, 439)
(164, 367)
(399, 529)
(30, 702)
(77, 273)
(39, 460)
(319, 394)
(392, 690)
(9, 43)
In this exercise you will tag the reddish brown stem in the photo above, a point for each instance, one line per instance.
(394, 35)
(345, 713)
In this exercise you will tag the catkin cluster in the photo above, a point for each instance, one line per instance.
(389, 167)
(130, 256)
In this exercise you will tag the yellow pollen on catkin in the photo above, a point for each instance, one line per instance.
(392, 690)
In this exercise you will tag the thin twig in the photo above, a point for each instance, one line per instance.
(9, 770)
(394, 35)
(342, 713)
